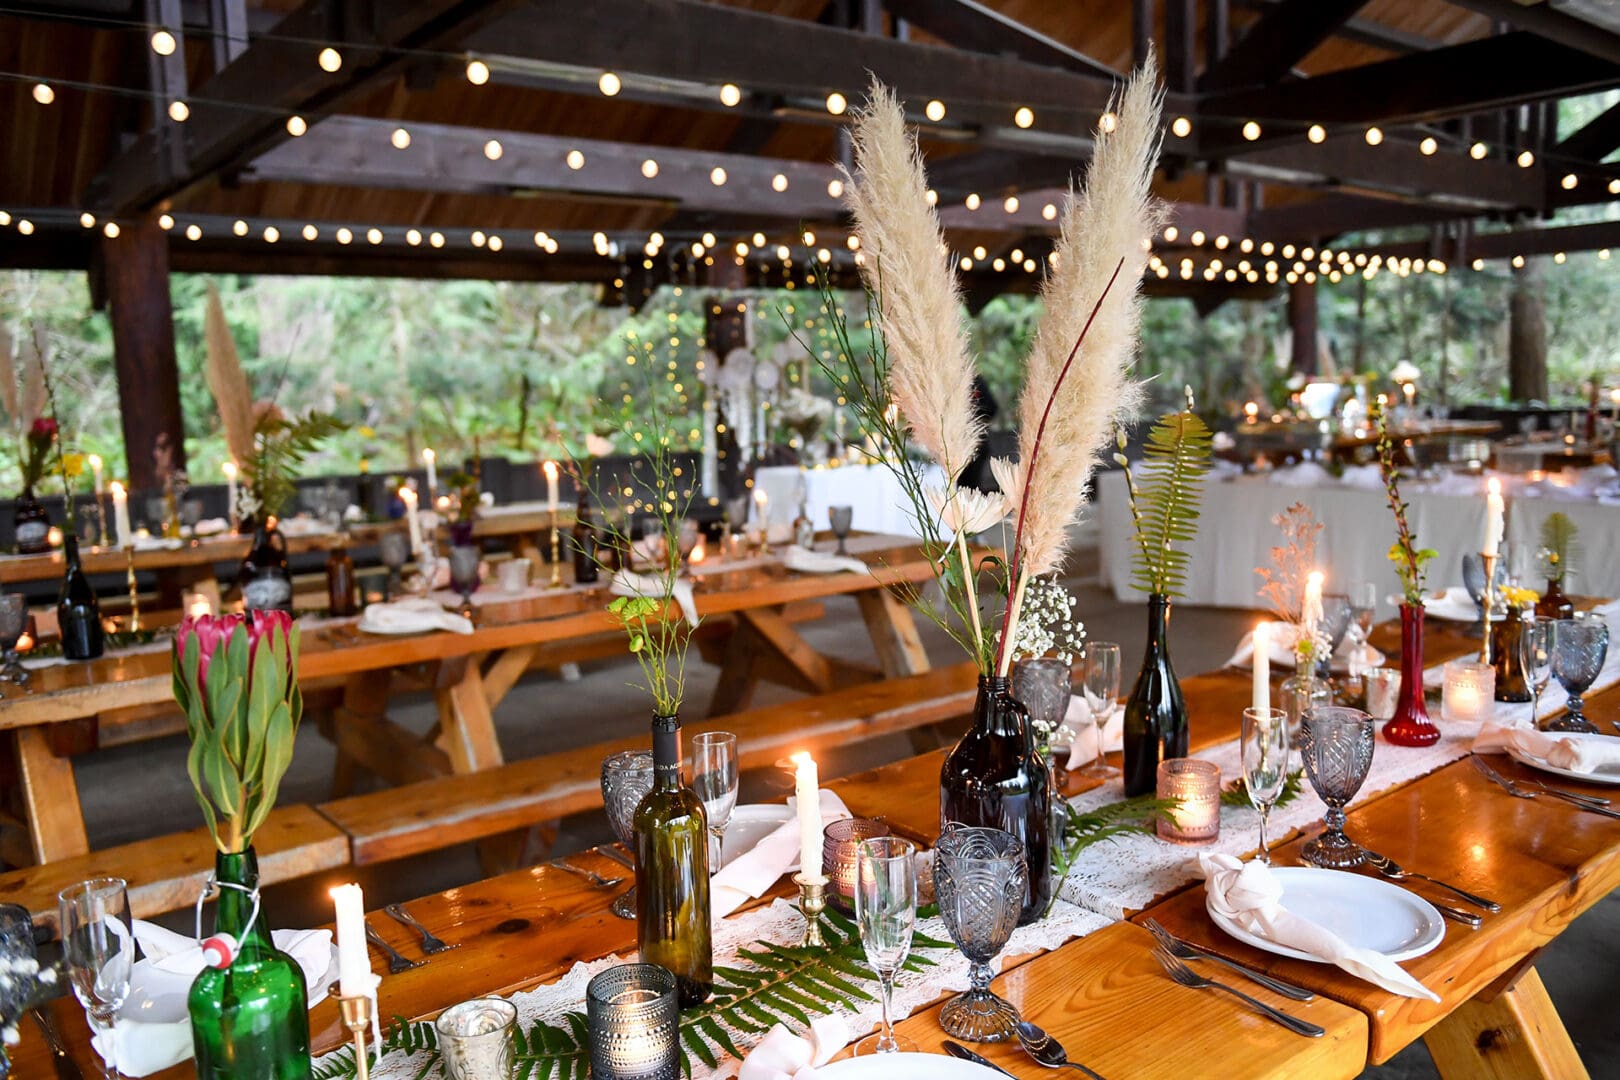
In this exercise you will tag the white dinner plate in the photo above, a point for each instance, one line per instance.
(752, 823)
(904, 1067)
(1610, 776)
(1363, 911)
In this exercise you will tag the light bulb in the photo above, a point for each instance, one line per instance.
(374, 236)
(296, 126)
(1428, 146)
(436, 239)
(329, 59)
(163, 43)
(1478, 151)
(730, 95)
(1024, 117)
(1316, 133)
(43, 93)
(779, 182)
(708, 240)
(1569, 181)
(1374, 136)
(400, 138)
(271, 234)
(972, 201)
(311, 232)
(413, 237)
(179, 111)
(835, 188)
(1251, 130)
(111, 230)
(1181, 127)
(492, 150)
(193, 232)
(344, 235)
(935, 110)
(1049, 212)
(1526, 159)
(836, 104)
(575, 160)
(477, 72)
(649, 168)
(1107, 122)
(609, 84)
(717, 176)
(239, 227)
(165, 222)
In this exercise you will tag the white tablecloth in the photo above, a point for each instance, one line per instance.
(872, 490)
(1235, 533)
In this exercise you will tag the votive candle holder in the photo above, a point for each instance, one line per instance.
(840, 841)
(1468, 693)
(1195, 786)
(633, 1016)
(475, 1039)
(1383, 691)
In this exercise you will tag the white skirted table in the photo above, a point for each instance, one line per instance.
(871, 490)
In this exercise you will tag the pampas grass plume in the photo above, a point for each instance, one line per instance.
(228, 383)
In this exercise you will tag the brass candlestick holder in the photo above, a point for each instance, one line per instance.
(1490, 602)
(134, 593)
(556, 556)
(356, 1014)
(812, 902)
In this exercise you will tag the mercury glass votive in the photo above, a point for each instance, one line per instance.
(1383, 691)
(1469, 691)
(634, 1018)
(840, 841)
(1196, 788)
(475, 1039)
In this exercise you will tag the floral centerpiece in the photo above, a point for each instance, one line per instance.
(1410, 726)
(236, 681)
(914, 389)
(1557, 557)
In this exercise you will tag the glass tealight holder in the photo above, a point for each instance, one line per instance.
(839, 842)
(1196, 788)
(633, 1016)
(1383, 691)
(475, 1039)
(1469, 692)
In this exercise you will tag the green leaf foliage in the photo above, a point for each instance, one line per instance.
(1236, 793)
(1166, 492)
(1558, 546)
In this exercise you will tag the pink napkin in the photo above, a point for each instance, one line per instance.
(1572, 750)
(782, 1055)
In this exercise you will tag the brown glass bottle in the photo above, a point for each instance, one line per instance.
(1554, 603)
(582, 543)
(340, 583)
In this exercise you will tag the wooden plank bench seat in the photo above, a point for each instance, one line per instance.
(166, 873)
(435, 813)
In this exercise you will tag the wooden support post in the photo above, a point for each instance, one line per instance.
(1302, 319)
(1514, 1036)
(136, 273)
(1141, 30)
(1527, 334)
(50, 797)
(1180, 59)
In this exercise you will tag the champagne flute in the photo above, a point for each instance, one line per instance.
(1099, 682)
(886, 911)
(715, 781)
(1265, 763)
(1535, 651)
(98, 947)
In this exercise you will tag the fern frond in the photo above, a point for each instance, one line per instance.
(1166, 495)
(1559, 546)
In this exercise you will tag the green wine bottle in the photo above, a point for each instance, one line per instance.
(672, 872)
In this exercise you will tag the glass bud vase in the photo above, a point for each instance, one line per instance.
(1411, 726)
(995, 778)
(1299, 694)
(1511, 683)
(249, 1021)
(1155, 714)
(1554, 602)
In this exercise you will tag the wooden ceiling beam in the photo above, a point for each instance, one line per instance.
(1595, 140)
(1324, 219)
(970, 25)
(1545, 20)
(1281, 38)
(1362, 31)
(1569, 239)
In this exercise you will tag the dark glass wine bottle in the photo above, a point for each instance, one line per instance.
(672, 872)
(583, 543)
(32, 524)
(78, 616)
(341, 598)
(1155, 714)
(264, 576)
(995, 778)
(1554, 603)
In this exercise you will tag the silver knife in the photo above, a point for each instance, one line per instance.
(64, 1065)
(957, 1050)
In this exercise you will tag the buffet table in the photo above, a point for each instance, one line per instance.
(870, 490)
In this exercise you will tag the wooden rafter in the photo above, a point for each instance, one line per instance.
(970, 25)
(1281, 38)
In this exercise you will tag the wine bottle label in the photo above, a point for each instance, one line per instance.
(267, 593)
(32, 533)
(666, 748)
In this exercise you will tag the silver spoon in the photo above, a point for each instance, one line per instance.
(1046, 1050)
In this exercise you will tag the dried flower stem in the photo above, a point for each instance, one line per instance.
(972, 599)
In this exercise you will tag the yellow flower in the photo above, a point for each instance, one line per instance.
(73, 465)
(1518, 597)
(367, 431)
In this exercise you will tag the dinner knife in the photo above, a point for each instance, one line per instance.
(60, 1061)
(957, 1050)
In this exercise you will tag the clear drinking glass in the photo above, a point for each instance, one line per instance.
(626, 778)
(1099, 682)
(1265, 763)
(840, 518)
(886, 911)
(394, 547)
(714, 765)
(1363, 611)
(1042, 685)
(13, 621)
(979, 879)
(1579, 647)
(98, 948)
(464, 561)
(1337, 613)
(1535, 650)
(1337, 745)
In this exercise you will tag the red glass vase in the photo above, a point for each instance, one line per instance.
(1411, 726)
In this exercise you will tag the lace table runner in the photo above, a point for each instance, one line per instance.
(778, 922)
(1132, 872)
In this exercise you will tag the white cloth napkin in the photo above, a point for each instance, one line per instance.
(750, 874)
(157, 543)
(1249, 895)
(1454, 604)
(411, 616)
(1563, 750)
(303, 526)
(1305, 474)
(1366, 477)
(154, 1030)
(806, 561)
(782, 1055)
(630, 583)
(1078, 719)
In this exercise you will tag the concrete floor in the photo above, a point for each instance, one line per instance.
(545, 714)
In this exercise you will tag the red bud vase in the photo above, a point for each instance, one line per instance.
(1411, 726)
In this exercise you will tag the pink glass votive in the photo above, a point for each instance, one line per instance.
(1195, 786)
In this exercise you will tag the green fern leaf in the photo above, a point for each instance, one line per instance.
(1166, 497)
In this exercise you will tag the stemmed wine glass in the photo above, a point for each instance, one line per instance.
(13, 621)
(1042, 685)
(464, 560)
(715, 781)
(1363, 610)
(395, 549)
(98, 948)
(1265, 763)
(1535, 652)
(979, 876)
(886, 911)
(1579, 647)
(1337, 745)
(841, 518)
(1337, 612)
(626, 778)
(1099, 683)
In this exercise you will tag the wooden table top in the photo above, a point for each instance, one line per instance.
(71, 691)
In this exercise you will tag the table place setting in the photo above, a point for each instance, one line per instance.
(806, 561)
(413, 615)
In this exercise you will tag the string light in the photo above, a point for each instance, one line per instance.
(1181, 127)
(163, 43)
(478, 238)
(609, 84)
(330, 60)
(1107, 122)
(1478, 151)
(477, 72)
(374, 236)
(1024, 117)
(1316, 133)
(400, 138)
(436, 239)
(110, 230)
(1374, 136)
(311, 232)
(1221, 242)
(1478, 264)
(496, 243)
(1170, 234)
(1569, 181)
(972, 201)
(296, 126)
(835, 188)
(26, 227)
(1603, 253)
(730, 95)
(492, 150)
(836, 104)
(980, 253)
(575, 160)
(741, 249)
(179, 111)
(1246, 245)
(759, 241)
(809, 238)
(344, 235)
(935, 110)
(1558, 257)
(779, 182)
(1614, 187)
(165, 222)
(1267, 248)
(708, 240)
(271, 234)
(43, 93)
(931, 197)
(1251, 130)
(239, 227)
(1518, 262)
(649, 168)
(1197, 238)
(717, 176)
(193, 232)
(966, 263)
(1011, 204)
(1526, 159)
(1428, 146)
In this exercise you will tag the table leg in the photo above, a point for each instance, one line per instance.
(468, 735)
(365, 696)
(1512, 1036)
(894, 633)
(50, 798)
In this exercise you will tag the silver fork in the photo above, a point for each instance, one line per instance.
(611, 852)
(396, 962)
(1184, 950)
(430, 943)
(1526, 793)
(1186, 976)
(1572, 796)
(589, 875)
